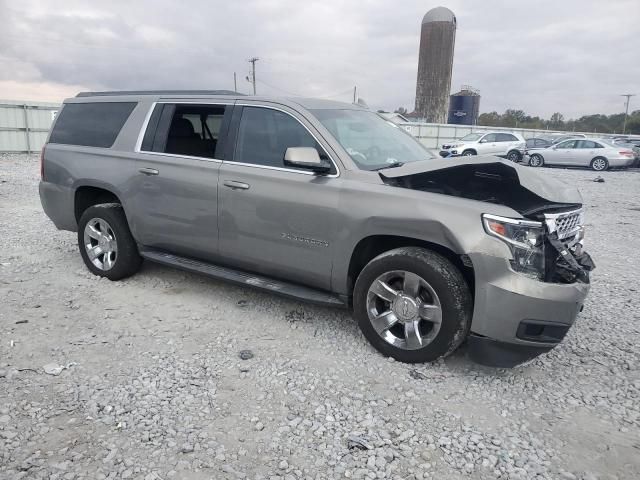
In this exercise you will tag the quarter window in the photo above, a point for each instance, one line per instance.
(91, 124)
(265, 134)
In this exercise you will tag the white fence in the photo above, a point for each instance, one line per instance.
(24, 125)
(433, 135)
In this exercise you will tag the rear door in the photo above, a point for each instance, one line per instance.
(507, 142)
(585, 151)
(176, 180)
(276, 220)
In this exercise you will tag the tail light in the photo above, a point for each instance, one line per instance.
(626, 153)
(42, 164)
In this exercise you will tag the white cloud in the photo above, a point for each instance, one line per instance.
(573, 56)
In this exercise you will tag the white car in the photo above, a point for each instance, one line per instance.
(596, 153)
(509, 145)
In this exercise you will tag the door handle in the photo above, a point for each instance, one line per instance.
(149, 171)
(234, 185)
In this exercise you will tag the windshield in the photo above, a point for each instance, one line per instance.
(372, 142)
(472, 137)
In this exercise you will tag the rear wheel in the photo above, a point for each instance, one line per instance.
(105, 242)
(599, 164)
(536, 160)
(413, 305)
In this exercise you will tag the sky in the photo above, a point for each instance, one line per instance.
(570, 56)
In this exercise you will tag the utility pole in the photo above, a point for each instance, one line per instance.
(253, 61)
(626, 111)
(235, 83)
(355, 94)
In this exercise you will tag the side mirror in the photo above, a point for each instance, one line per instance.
(307, 158)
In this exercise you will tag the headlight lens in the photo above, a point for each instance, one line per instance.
(525, 240)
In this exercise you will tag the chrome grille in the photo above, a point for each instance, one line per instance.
(566, 224)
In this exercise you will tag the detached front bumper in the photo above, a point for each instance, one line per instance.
(517, 318)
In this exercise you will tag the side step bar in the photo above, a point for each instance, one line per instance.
(236, 276)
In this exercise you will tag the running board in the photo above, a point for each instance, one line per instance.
(236, 276)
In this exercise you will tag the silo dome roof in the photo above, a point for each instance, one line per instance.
(439, 14)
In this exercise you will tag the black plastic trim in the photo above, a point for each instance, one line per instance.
(493, 353)
(540, 331)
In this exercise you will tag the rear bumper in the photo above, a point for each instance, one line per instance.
(515, 317)
(57, 203)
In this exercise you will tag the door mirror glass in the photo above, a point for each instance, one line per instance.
(305, 157)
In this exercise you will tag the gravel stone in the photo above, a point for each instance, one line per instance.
(158, 392)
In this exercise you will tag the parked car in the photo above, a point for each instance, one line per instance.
(324, 202)
(508, 145)
(537, 143)
(597, 154)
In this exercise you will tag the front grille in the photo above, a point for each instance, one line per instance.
(565, 224)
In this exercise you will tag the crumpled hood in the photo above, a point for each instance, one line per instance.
(489, 179)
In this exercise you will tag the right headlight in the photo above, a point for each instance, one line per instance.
(524, 238)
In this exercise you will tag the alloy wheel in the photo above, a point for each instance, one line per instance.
(404, 309)
(599, 164)
(100, 244)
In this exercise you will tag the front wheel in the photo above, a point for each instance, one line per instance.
(468, 153)
(536, 160)
(599, 164)
(413, 305)
(106, 244)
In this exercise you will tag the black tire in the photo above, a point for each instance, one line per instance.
(469, 153)
(536, 160)
(514, 156)
(447, 282)
(596, 162)
(127, 260)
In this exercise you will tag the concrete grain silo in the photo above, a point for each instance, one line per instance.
(435, 62)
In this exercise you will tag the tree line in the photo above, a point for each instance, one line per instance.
(597, 123)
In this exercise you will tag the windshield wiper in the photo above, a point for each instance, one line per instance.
(391, 165)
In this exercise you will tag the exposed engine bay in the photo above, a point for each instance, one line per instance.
(559, 250)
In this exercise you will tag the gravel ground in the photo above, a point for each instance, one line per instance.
(155, 388)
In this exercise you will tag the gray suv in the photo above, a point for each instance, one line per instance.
(325, 202)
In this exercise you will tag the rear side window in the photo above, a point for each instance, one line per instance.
(91, 124)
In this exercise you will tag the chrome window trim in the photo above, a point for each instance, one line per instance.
(304, 172)
(175, 155)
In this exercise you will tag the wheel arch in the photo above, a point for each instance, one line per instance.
(89, 194)
(472, 150)
(373, 245)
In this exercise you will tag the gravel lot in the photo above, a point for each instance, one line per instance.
(155, 388)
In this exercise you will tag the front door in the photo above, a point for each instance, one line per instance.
(176, 181)
(488, 145)
(561, 154)
(273, 219)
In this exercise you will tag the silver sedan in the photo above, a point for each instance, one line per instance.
(595, 153)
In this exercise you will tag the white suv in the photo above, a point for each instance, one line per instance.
(509, 145)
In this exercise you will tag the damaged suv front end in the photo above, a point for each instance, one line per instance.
(530, 268)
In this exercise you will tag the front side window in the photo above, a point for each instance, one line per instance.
(567, 144)
(472, 137)
(371, 141)
(265, 134)
(195, 130)
(489, 138)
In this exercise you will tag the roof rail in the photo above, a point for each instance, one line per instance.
(158, 92)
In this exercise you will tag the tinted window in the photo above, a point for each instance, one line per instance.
(505, 137)
(567, 144)
(91, 124)
(195, 130)
(489, 138)
(265, 134)
(587, 144)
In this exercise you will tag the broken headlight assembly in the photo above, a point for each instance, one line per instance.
(525, 239)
